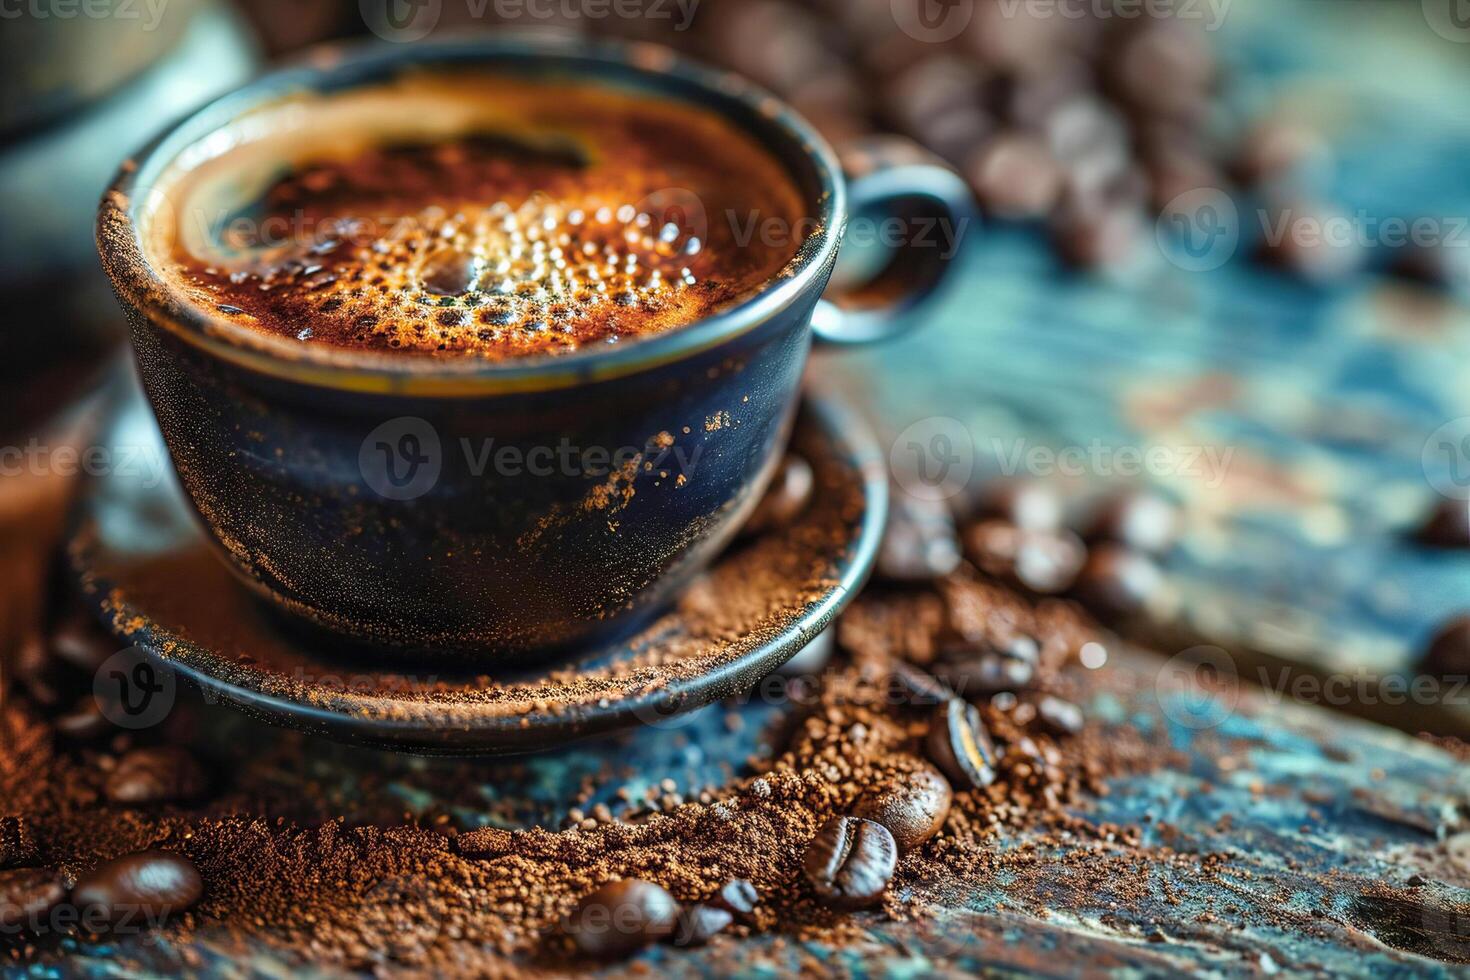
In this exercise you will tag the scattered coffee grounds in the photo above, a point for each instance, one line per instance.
(850, 862)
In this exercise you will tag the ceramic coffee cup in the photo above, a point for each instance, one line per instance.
(357, 491)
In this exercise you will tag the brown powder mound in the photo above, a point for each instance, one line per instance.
(428, 898)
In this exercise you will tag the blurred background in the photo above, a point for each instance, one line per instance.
(1223, 262)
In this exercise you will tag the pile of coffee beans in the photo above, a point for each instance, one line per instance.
(1015, 533)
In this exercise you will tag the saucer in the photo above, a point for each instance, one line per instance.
(145, 565)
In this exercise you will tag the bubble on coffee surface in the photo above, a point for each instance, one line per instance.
(542, 275)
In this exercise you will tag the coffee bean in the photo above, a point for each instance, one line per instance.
(1100, 235)
(166, 774)
(1138, 519)
(1015, 176)
(1059, 717)
(737, 896)
(1274, 148)
(960, 746)
(1031, 505)
(82, 644)
(1116, 582)
(921, 543)
(1045, 562)
(1304, 250)
(138, 889)
(36, 669)
(622, 917)
(26, 895)
(1164, 69)
(1448, 525)
(698, 924)
(913, 807)
(919, 687)
(850, 862)
(84, 722)
(985, 674)
(17, 843)
(787, 497)
(1448, 652)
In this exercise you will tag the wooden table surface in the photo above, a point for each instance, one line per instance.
(1295, 558)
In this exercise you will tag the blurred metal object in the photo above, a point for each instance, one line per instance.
(61, 315)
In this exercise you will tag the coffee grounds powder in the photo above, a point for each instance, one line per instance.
(371, 890)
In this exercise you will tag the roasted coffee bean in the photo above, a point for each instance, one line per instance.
(84, 722)
(1100, 235)
(1448, 652)
(26, 895)
(1117, 582)
(82, 644)
(787, 497)
(986, 674)
(917, 686)
(1059, 717)
(850, 862)
(1015, 176)
(1031, 505)
(1163, 69)
(960, 746)
(35, 668)
(698, 924)
(1274, 148)
(921, 543)
(622, 917)
(166, 774)
(17, 843)
(138, 889)
(1045, 562)
(1138, 519)
(738, 897)
(1448, 525)
(1299, 245)
(913, 807)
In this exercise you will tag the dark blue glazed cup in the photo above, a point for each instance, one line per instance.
(492, 510)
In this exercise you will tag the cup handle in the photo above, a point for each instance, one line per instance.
(894, 177)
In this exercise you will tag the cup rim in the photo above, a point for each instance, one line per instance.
(339, 65)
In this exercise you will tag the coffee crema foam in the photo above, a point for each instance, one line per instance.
(478, 215)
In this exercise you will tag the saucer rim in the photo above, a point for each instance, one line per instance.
(508, 732)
